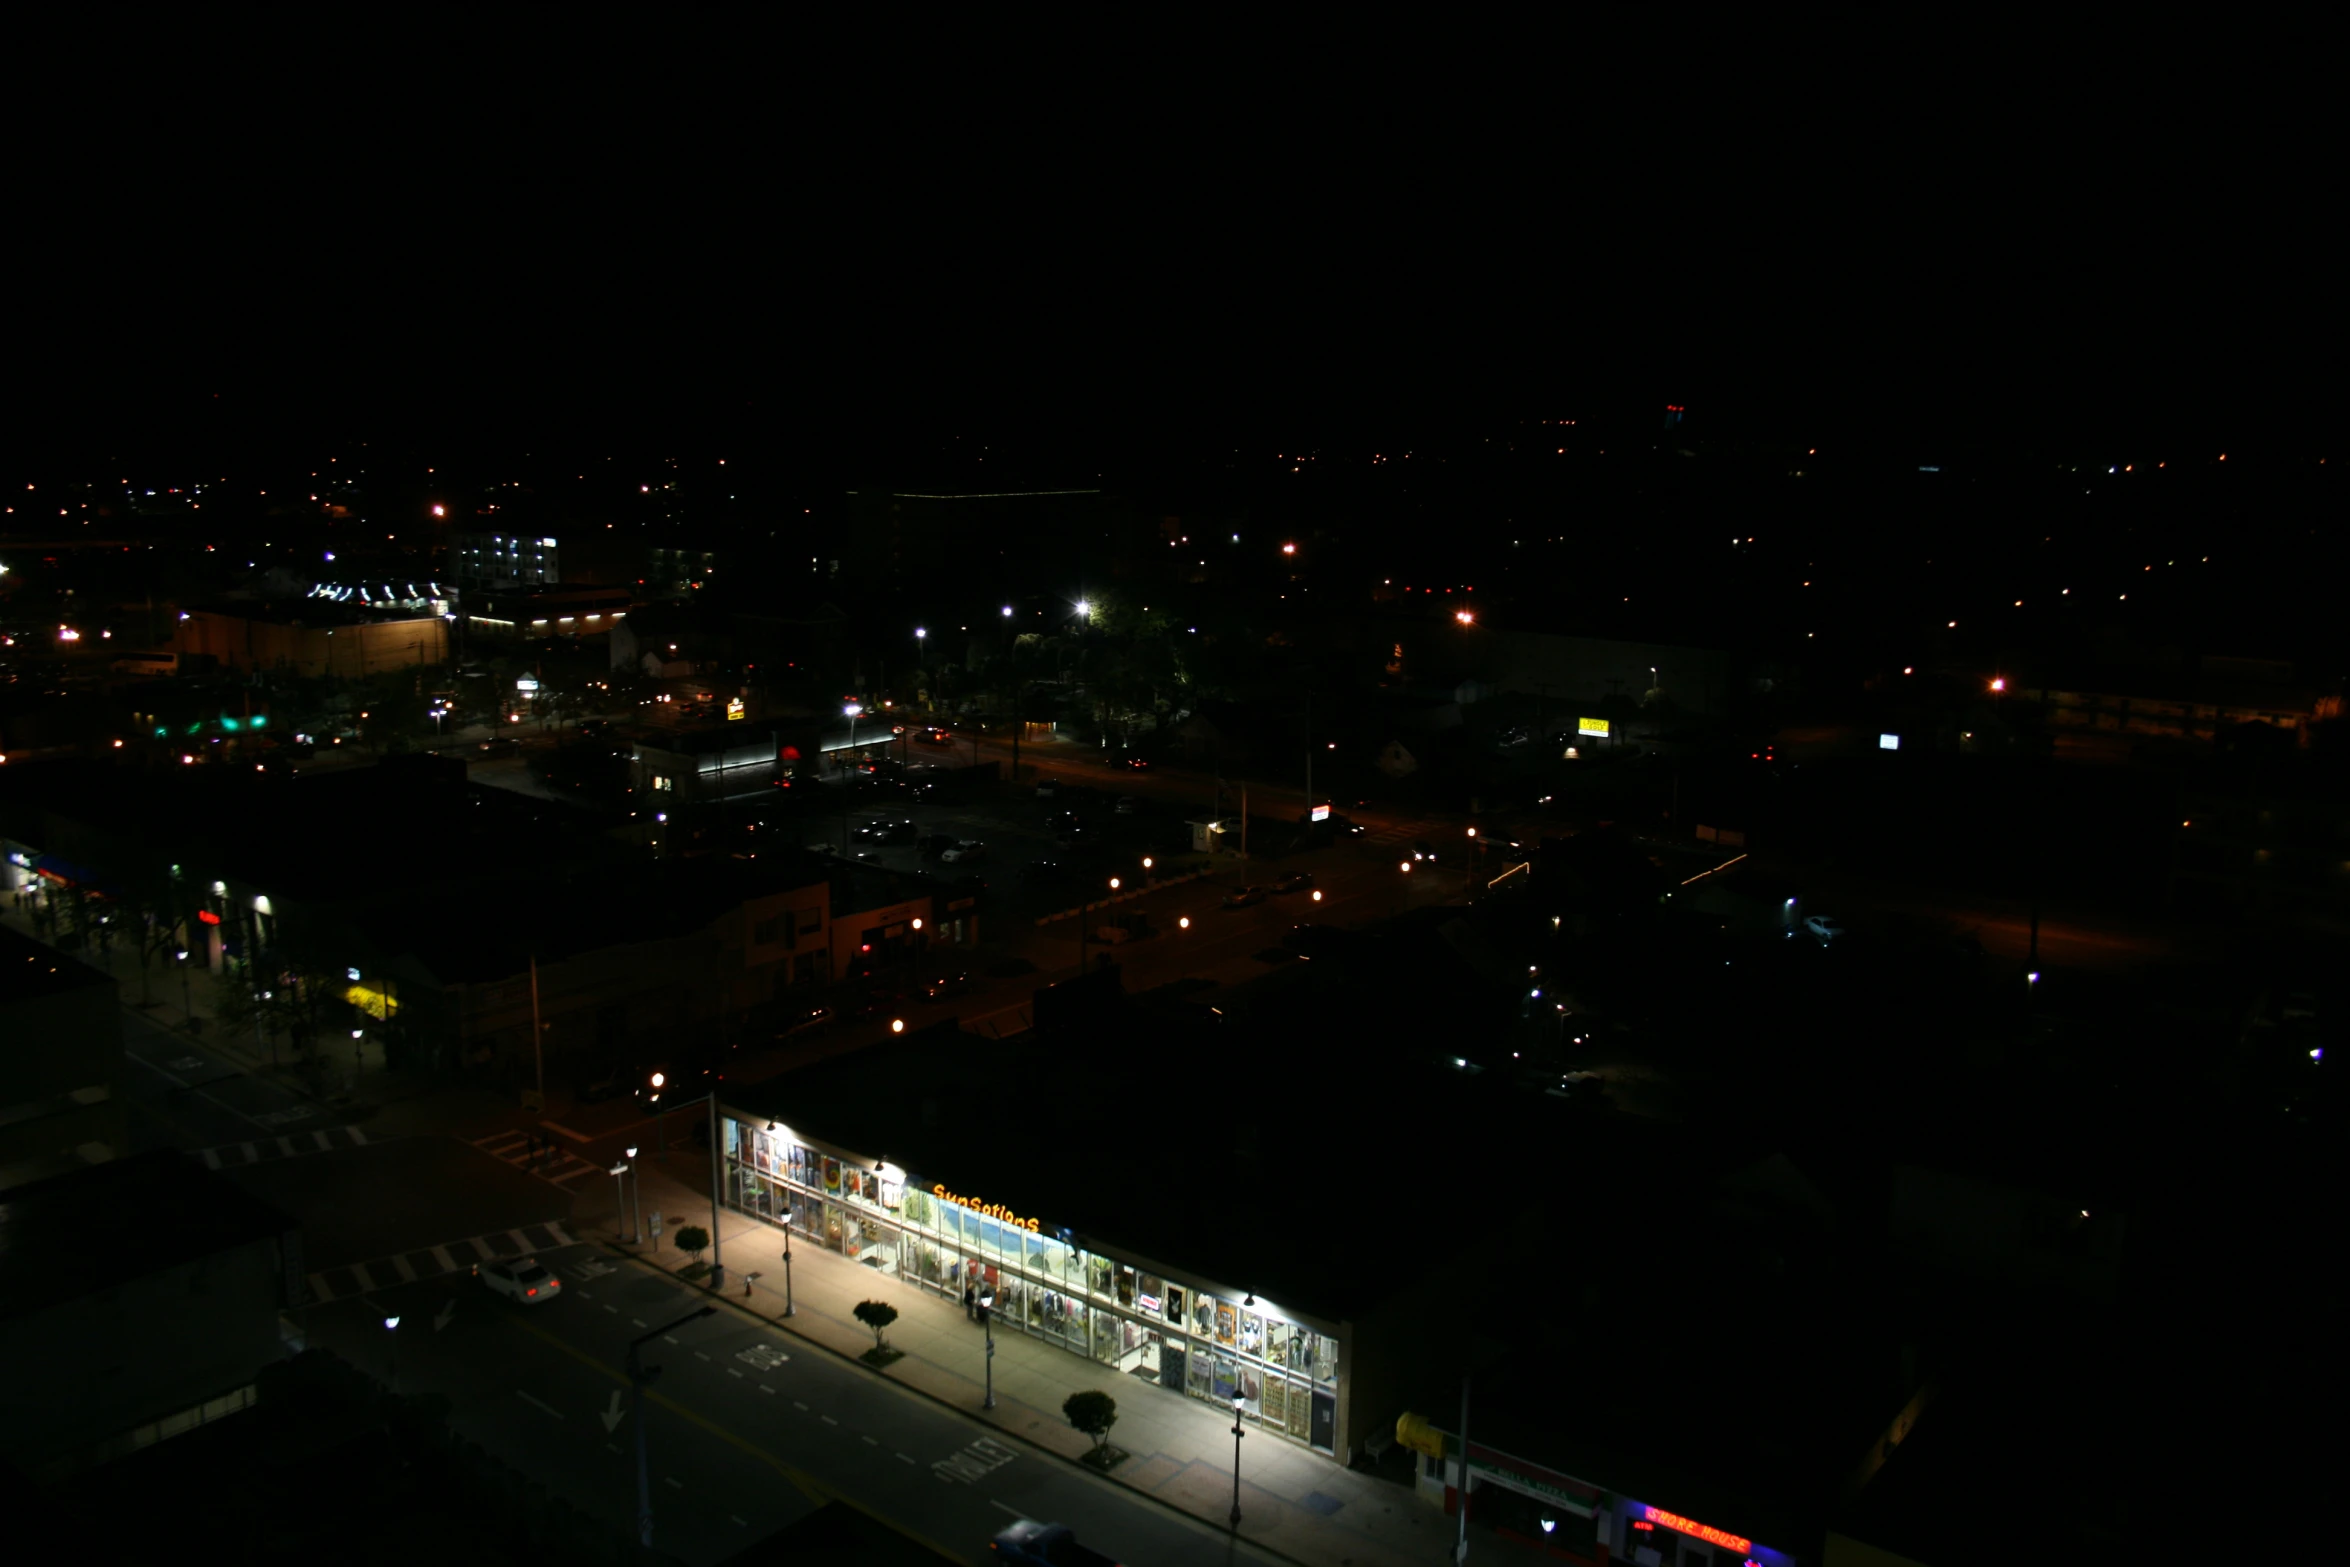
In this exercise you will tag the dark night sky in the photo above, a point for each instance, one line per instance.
(515, 243)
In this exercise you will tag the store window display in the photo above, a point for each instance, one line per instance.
(1091, 1304)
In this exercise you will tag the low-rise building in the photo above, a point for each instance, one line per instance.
(138, 1300)
(60, 1054)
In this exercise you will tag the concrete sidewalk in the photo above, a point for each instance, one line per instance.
(1293, 1501)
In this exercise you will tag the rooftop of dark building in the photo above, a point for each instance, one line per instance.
(63, 1238)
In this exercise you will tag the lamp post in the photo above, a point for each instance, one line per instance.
(1147, 862)
(392, 1326)
(921, 635)
(1469, 871)
(1236, 1436)
(917, 924)
(987, 1326)
(619, 1174)
(640, 1376)
(1404, 897)
(717, 1188)
(791, 1211)
(636, 1204)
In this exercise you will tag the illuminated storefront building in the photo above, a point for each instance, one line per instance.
(1162, 1324)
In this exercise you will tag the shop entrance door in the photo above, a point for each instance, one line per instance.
(1325, 1431)
(1171, 1363)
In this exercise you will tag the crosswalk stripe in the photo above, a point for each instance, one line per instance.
(481, 1246)
(448, 1263)
(285, 1147)
(212, 1158)
(318, 1287)
(324, 1145)
(250, 1156)
(522, 1242)
(356, 1135)
(407, 1274)
(358, 1270)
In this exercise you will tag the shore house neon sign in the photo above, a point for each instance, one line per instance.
(991, 1209)
(1720, 1537)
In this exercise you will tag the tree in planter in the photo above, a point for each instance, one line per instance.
(1092, 1412)
(693, 1239)
(877, 1315)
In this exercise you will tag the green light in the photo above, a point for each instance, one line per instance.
(261, 721)
(195, 729)
(229, 724)
(158, 734)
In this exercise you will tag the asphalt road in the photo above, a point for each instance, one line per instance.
(183, 1094)
(747, 1431)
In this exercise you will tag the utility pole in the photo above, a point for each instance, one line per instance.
(1309, 756)
(1460, 1544)
(538, 1051)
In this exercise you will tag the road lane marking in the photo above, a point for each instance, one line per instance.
(806, 1484)
(615, 1310)
(640, 1322)
(1014, 1511)
(764, 1388)
(868, 1441)
(357, 1135)
(738, 1523)
(211, 1159)
(698, 1355)
(400, 1266)
(440, 1254)
(324, 1144)
(828, 1420)
(796, 1404)
(672, 1480)
(901, 1458)
(730, 1371)
(537, 1403)
(251, 1157)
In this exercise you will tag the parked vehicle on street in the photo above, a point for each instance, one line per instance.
(1823, 927)
(1294, 881)
(965, 850)
(814, 1018)
(1128, 805)
(1047, 789)
(520, 1279)
(1244, 897)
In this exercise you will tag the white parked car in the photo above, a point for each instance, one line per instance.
(520, 1278)
(1823, 927)
(967, 849)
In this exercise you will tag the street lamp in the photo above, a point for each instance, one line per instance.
(917, 923)
(790, 1214)
(1236, 1435)
(1007, 612)
(619, 1174)
(640, 1376)
(987, 1326)
(392, 1326)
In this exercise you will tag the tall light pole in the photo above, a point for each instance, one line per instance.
(636, 1203)
(987, 1326)
(1236, 1436)
(850, 711)
(921, 635)
(791, 1205)
(640, 1376)
(917, 924)
(717, 1188)
(619, 1174)
(392, 1326)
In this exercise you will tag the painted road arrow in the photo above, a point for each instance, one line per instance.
(440, 1318)
(613, 1416)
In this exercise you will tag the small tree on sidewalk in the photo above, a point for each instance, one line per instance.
(693, 1239)
(1092, 1412)
(877, 1315)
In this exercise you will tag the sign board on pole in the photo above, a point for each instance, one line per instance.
(1591, 726)
(526, 684)
(734, 708)
(1321, 813)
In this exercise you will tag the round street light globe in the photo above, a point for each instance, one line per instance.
(1405, 867)
(392, 1323)
(897, 1025)
(659, 1080)
(1183, 922)
(1113, 884)
(1317, 897)
(1007, 612)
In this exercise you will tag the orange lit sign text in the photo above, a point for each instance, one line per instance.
(992, 1210)
(1722, 1538)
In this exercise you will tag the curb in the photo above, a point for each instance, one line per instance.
(781, 1325)
(1123, 897)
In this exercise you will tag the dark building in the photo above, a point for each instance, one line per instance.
(138, 1300)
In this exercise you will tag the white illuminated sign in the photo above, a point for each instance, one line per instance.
(1888, 742)
(1321, 813)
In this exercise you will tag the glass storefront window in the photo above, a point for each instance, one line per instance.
(1152, 1302)
(1176, 1303)
(1277, 1343)
(1203, 1315)
(1252, 1333)
(1226, 1318)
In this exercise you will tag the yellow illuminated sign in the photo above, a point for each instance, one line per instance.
(992, 1210)
(1591, 726)
(372, 1001)
(734, 707)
